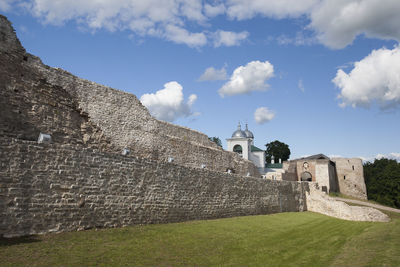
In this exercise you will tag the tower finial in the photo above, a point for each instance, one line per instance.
(239, 126)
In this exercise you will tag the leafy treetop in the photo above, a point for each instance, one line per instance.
(277, 149)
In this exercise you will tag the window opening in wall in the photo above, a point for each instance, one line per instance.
(353, 167)
(238, 149)
(344, 177)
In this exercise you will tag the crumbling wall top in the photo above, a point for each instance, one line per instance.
(8, 38)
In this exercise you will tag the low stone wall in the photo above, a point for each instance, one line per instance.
(61, 187)
(318, 201)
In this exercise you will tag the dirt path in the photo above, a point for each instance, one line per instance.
(363, 203)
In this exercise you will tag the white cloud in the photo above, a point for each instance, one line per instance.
(283, 39)
(376, 78)
(302, 38)
(245, 9)
(5, 5)
(301, 85)
(393, 155)
(335, 22)
(263, 115)
(246, 79)
(215, 10)
(227, 38)
(168, 103)
(338, 22)
(182, 36)
(212, 74)
(164, 19)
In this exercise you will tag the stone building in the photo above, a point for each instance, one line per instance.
(242, 142)
(344, 175)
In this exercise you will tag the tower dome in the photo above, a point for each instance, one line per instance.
(239, 133)
(248, 133)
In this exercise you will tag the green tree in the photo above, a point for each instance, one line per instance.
(277, 149)
(382, 179)
(215, 140)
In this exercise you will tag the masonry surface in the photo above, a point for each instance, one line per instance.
(81, 180)
(46, 188)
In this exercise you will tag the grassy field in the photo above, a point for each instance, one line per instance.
(294, 239)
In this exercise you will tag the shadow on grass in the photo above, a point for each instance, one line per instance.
(4, 242)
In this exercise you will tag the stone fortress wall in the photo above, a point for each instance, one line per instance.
(76, 110)
(64, 187)
(81, 180)
(350, 174)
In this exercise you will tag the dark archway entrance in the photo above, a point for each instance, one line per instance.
(306, 177)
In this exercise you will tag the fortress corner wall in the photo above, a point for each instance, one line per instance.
(62, 187)
(350, 174)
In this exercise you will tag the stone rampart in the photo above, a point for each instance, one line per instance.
(63, 187)
(74, 110)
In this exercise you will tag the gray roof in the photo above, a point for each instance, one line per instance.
(239, 133)
(316, 156)
(248, 133)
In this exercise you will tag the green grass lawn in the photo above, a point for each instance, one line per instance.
(296, 239)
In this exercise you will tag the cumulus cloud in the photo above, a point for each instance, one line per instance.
(227, 38)
(263, 115)
(376, 78)
(182, 36)
(338, 22)
(168, 103)
(212, 74)
(245, 79)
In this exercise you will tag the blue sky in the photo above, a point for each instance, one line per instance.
(290, 60)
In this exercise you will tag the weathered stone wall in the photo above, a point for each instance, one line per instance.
(63, 187)
(290, 171)
(38, 98)
(350, 175)
(318, 201)
(30, 105)
(322, 174)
